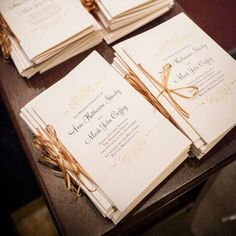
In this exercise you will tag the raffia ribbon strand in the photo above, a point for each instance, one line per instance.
(90, 5)
(4, 38)
(56, 156)
(133, 79)
(165, 88)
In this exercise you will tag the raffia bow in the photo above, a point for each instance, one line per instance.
(134, 80)
(165, 88)
(90, 5)
(56, 156)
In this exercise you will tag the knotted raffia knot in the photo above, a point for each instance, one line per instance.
(90, 5)
(136, 83)
(4, 39)
(164, 86)
(56, 157)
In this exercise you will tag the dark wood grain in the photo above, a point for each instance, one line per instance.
(80, 217)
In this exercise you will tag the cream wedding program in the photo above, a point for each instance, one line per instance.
(196, 62)
(124, 144)
(120, 17)
(45, 31)
(43, 24)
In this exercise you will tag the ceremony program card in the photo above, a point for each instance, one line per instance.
(120, 17)
(123, 143)
(44, 31)
(117, 8)
(196, 60)
(31, 21)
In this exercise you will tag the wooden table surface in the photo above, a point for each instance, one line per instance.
(80, 217)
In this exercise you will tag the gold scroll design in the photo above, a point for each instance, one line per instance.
(133, 153)
(56, 157)
(164, 86)
(220, 95)
(81, 94)
(5, 42)
(90, 5)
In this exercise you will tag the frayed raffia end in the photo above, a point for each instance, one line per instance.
(4, 39)
(90, 5)
(58, 159)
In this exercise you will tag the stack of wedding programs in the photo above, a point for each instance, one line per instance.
(189, 74)
(44, 33)
(40, 34)
(120, 17)
(122, 146)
